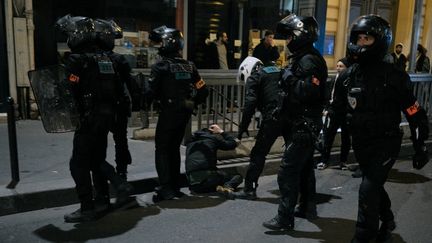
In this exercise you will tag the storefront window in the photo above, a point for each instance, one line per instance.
(245, 23)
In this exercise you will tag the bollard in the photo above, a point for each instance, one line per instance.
(13, 151)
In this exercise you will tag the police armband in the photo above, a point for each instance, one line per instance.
(419, 127)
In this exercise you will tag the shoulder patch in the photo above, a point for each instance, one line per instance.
(271, 69)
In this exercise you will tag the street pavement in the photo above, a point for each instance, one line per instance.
(210, 218)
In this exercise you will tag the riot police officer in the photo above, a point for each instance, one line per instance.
(178, 87)
(262, 93)
(129, 101)
(303, 81)
(375, 93)
(97, 87)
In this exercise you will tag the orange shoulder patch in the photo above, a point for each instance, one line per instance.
(413, 109)
(73, 78)
(199, 84)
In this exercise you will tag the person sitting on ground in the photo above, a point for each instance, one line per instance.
(201, 158)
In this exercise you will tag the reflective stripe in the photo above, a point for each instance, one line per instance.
(413, 109)
(271, 69)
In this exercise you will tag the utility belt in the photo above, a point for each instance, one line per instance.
(372, 125)
(178, 104)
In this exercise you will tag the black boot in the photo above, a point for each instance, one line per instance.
(84, 214)
(384, 233)
(248, 192)
(102, 204)
(308, 212)
(277, 223)
(124, 190)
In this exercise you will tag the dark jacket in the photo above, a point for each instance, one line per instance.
(98, 81)
(212, 56)
(304, 81)
(375, 94)
(201, 150)
(261, 92)
(423, 64)
(267, 55)
(400, 63)
(176, 84)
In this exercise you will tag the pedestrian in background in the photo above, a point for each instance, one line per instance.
(422, 61)
(266, 51)
(335, 118)
(399, 59)
(219, 55)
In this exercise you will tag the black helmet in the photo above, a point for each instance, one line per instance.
(105, 33)
(304, 31)
(171, 40)
(372, 25)
(79, 30)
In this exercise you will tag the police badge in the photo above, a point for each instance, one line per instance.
(352, 102)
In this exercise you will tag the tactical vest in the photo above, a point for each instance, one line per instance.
(102, 88)
(372, 102)
(178, 85)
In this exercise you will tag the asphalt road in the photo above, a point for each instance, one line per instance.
(209, 218)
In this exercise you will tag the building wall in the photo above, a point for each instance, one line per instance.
(337, 25)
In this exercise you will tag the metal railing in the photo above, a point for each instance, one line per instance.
(226, 99)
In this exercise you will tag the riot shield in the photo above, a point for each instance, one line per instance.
(54, 98)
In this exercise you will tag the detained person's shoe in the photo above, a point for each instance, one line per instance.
(79, 216)
(226, 191)
(277, 223)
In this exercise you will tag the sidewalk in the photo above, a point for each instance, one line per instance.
(45, 180)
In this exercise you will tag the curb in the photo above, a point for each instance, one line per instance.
(15, 202)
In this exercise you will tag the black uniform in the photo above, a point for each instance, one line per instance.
(96, 81)
(376, 92)
(305, 83)
(130, 99)
(262, 93)
(201, 160)
(176, 84)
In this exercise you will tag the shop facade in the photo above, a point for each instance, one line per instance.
(27, 29)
